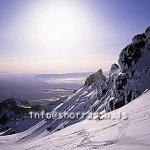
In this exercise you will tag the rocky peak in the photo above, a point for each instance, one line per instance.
(95, 77)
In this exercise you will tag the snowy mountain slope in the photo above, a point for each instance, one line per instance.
(132, 133)
(81, 101)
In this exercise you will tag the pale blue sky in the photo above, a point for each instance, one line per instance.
(67, 35)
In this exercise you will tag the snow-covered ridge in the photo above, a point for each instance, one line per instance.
(132, 133)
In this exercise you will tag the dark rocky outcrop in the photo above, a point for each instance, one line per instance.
(135, 67)
(134, 75)
(95, 77)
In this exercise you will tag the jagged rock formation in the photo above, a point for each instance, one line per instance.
(95, 77)
(130, 78)
(133, 78)
(135, 68)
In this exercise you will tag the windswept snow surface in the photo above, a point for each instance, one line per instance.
(118, 134)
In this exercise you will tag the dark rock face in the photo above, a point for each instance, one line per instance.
(131, 54)
(134, 76)
(95, 77)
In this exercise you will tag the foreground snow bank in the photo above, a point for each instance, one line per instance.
(133, 133)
